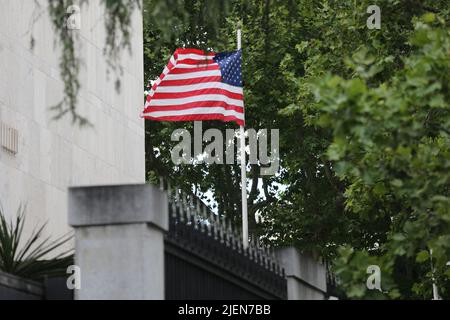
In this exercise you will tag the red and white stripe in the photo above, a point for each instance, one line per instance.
(190, 89)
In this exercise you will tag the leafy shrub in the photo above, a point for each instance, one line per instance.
(27, 257)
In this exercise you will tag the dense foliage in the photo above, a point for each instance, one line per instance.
(391, 146)
(364, 131)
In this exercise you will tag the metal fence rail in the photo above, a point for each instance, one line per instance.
(205, 259)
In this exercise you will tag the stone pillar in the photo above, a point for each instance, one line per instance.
(306, 277)
(119, 241)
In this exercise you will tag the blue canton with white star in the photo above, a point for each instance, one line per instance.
(230, 67)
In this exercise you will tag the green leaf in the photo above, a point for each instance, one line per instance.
(422, 256)
(428, 17)
(397, 183)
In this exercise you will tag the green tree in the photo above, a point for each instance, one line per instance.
(391, 145)
(363, 119)
(194, 29)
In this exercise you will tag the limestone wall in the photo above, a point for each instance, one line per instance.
(53, 155)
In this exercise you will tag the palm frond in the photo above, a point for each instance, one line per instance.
(28, 257)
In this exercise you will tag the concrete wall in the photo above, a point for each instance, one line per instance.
(53, 155)
(15, 288)
(306, 276)
(119, 232)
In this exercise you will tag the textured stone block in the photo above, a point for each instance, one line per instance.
(108, 205)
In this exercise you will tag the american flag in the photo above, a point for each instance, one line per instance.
(198, 85)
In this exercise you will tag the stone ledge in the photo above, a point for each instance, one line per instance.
(118, 204)
(21, 284)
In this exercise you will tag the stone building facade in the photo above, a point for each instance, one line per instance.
(40, 157)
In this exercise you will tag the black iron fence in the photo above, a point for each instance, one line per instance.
(205, 258)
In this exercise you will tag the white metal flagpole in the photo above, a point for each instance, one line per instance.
(435, 288)
(243, 173)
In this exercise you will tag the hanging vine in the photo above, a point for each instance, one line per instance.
(117, 25)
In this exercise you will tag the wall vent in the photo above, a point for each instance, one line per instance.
(9, 138)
